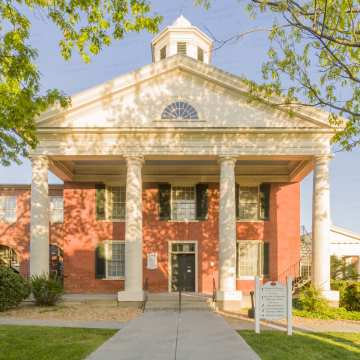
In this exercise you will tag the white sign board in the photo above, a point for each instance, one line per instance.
(152, 261)
(273, 301)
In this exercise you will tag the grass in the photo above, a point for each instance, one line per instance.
(303, 346)
(54, 308)
(330, 313)
(49, 343)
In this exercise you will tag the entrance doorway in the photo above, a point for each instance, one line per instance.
(183, 265)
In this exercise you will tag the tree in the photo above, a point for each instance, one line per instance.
(320, 35)
(340, 269)
(86, 26)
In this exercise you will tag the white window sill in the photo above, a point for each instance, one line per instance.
(113, 220)
(183, 220)
(56, 222)
(8, 222)
(250, 220)
(114, 278)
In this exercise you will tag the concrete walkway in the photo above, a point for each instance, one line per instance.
(64, 323)
(172, 336)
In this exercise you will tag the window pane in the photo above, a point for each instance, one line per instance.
(9, 208)
(248, 256)
(116, 196)
(183, 202)
(249, 202)
(115, 259)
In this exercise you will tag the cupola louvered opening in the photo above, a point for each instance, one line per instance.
(181, 48)
(200, 54)
(163, 53)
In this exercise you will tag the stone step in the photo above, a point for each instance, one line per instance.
(174, 306)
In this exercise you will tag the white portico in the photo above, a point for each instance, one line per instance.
(180, 120)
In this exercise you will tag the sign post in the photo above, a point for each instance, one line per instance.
(273, 301)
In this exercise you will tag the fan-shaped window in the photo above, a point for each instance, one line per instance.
(179, 110)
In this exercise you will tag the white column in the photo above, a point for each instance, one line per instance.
(227, 235)
(39, 225)
(133, 231)
(320, 272)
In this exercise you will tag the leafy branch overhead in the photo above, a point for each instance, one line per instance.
(86, 26)
(313, 55)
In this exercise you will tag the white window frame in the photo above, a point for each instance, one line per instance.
(107, 202)
(170, 244)
(171, 202)
(258, 203)
(106, 242)
(2, 210)
(51, 210)
(252, 242)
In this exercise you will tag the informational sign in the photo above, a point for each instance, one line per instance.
(273, 301)
(152, 261)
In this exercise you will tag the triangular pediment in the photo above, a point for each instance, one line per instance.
(137, 99)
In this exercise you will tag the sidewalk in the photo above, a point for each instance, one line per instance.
(305, 328)
(170, 335)
(64, 323)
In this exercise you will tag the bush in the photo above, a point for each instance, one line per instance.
(13, 288)
(349, 293)
(314, 299)
(47, 289)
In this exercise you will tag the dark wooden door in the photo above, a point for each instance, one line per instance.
(183, 266)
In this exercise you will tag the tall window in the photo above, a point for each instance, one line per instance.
(200, 54)
(253, 258)
(183, 202)
(56, 209)
(163, 53)
(181, 48)
(115, 259)
(249, 202)
(116, 202)
(8, 209)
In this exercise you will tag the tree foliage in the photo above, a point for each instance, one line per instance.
(86, 26)
(314, 46)
(340, 269)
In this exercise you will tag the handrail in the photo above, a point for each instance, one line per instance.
(214, 290)
(146, 288)
(298, 271)
(179, 294)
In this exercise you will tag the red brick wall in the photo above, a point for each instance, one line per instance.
(17, 235)
(281, 231)
(80, 231)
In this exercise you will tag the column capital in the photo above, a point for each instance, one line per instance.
(39, 161)
(227, 159)
(132, 159)
(317, 159)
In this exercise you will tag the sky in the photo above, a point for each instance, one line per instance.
(224, 19)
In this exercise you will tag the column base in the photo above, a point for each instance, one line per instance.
(333, 297)
(228, 299)
(129, 296)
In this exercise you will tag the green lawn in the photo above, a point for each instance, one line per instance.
(49, 343)
(303, 346)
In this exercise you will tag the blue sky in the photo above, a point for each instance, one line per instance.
(223, 20)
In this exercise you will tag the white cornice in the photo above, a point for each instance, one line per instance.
(344, 232)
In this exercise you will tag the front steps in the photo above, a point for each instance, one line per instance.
(172, 304)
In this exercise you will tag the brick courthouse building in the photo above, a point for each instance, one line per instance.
(169, 173)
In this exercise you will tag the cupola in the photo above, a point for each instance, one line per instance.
(182, 38)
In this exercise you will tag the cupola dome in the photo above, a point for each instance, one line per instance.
(182, 38)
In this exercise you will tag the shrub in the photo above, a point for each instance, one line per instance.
(13, 288)
(314, 299)
(47, 289)
(352, 296)
(349, 293)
